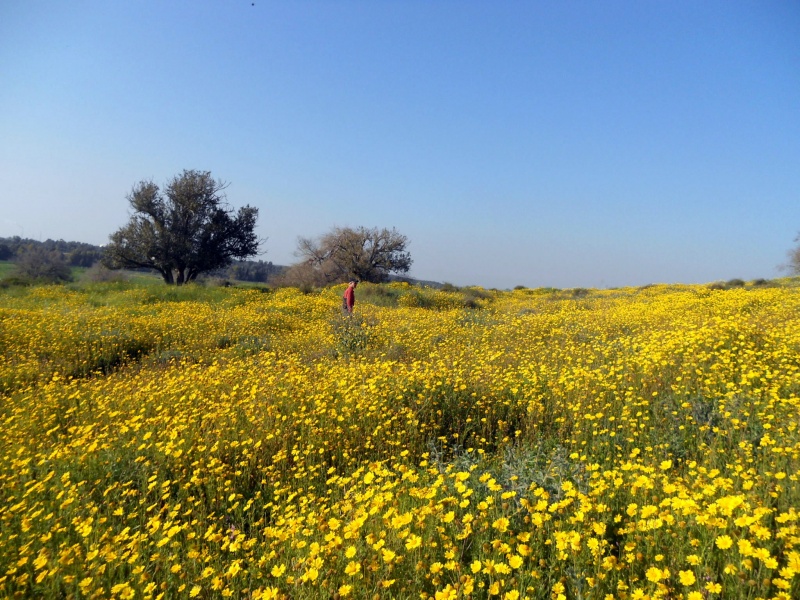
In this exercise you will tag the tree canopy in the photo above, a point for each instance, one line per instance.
(183, 231)
(365, 254)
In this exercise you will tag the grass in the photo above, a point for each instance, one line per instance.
(6, 268)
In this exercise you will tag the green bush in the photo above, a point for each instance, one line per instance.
(38, 265)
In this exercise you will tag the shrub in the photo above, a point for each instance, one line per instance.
(14, 281)
(43, 266)
(416, 299)
(378, 294)
(99, 273)
(473, 296)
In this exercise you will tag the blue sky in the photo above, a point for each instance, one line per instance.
(564, 144)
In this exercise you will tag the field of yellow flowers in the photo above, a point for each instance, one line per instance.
(233, 443)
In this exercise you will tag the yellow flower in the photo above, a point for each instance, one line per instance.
(723, 542)
(271, 593)
(476, 566)
(413, 541)
(654, 574)
(350, 552)
(234, 569)
(468, 586)
(665, 465)
(714, 588)
(781, 583)
(501, 524)
(745, 547)
(388, 555)
(352, 568)
(448, 593)
(278, 570)
(344, 590)
(686, 577)
(761, 553)
(794, 561)
(123, 590)
(195, 591)
(515, 561)
(648, 511)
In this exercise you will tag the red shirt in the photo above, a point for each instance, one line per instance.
(350, 297)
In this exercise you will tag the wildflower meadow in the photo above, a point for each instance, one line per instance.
(199, 442)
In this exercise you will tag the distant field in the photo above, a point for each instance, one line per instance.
(5, 268)
(212, 442)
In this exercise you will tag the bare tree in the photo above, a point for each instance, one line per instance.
(793, 266)
(362, 253)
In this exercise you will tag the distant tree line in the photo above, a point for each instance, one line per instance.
(259, 271)
(75, 254)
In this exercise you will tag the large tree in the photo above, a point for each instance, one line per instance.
(362, 253)
(183, 231)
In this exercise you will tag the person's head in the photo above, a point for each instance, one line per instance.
(353, 283)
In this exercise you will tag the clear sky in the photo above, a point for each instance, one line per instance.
(564, 144)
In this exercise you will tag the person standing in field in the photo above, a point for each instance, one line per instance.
(349, 297)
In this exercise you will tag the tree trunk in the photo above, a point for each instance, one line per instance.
(166, 274)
